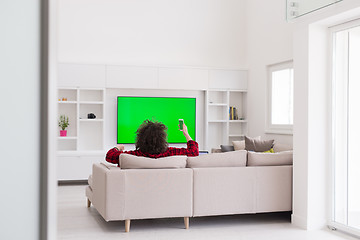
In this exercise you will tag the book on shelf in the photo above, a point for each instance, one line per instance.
(233, 115)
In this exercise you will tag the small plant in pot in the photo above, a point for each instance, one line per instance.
(63, 124)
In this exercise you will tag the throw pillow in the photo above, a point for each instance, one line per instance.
(239, 145)
(226, 159)
(270, 151)
(128, 161)
(227, 148)
(255, 145)
(270, 159)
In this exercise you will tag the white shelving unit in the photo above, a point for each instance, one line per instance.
(85, 86)
(219, 128)
(84, 143)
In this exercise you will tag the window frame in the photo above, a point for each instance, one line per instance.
(270, 127)
(332, 222)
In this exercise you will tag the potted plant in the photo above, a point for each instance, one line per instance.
(63, 124)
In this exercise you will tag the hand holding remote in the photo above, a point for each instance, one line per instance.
(185, 132)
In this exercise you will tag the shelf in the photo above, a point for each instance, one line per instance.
(217, 121)
(220, 129)
(85, 136)
(230, 121)
(91, 102)
(67, 102)
(237, 121)
(67, 138)
(218, 104)
(91, 120)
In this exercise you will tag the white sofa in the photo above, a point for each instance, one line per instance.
(213, 184)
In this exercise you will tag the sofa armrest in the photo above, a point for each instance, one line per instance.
(121, 194)
(108, 190)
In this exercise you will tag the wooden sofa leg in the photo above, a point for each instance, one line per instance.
(127, 225)
(88, 203)
(186, 221)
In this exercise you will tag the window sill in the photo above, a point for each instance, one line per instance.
(279, 131)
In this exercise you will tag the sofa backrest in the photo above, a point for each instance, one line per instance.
(280, 147)
(236, 190)
(128, 161)
(227, 159)
(270, 159)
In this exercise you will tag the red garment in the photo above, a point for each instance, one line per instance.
(192, 149)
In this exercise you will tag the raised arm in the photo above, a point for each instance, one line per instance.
(186, 133)
(192, 146)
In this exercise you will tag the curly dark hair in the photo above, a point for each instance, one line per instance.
(151, 137)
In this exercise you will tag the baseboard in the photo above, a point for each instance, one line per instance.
(299, 221)
(304, 223)
(72, 182)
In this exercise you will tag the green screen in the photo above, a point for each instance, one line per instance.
(133, 111)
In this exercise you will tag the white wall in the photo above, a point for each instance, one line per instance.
(269, 41)
(153, 32)
(20, 119)
(111, 111)
(311, 128)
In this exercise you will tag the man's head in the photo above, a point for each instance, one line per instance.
(151, 137)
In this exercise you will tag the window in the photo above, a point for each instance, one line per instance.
(280, 98)
(345, 127)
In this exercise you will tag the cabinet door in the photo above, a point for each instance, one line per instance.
(76, 167)
(68, 168)
(81, 75)
(227, 79)
(183, 78)
(131, 77)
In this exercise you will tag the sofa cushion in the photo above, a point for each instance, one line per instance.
(128, 161)
(226, 159)
(279, 147)
(270, 159)
(257, 145)
(227, 148)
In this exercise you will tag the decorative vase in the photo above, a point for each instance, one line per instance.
(63, 133)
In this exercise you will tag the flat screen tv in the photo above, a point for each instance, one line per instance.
(132, 111)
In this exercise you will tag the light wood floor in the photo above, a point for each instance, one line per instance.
(76, 221)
